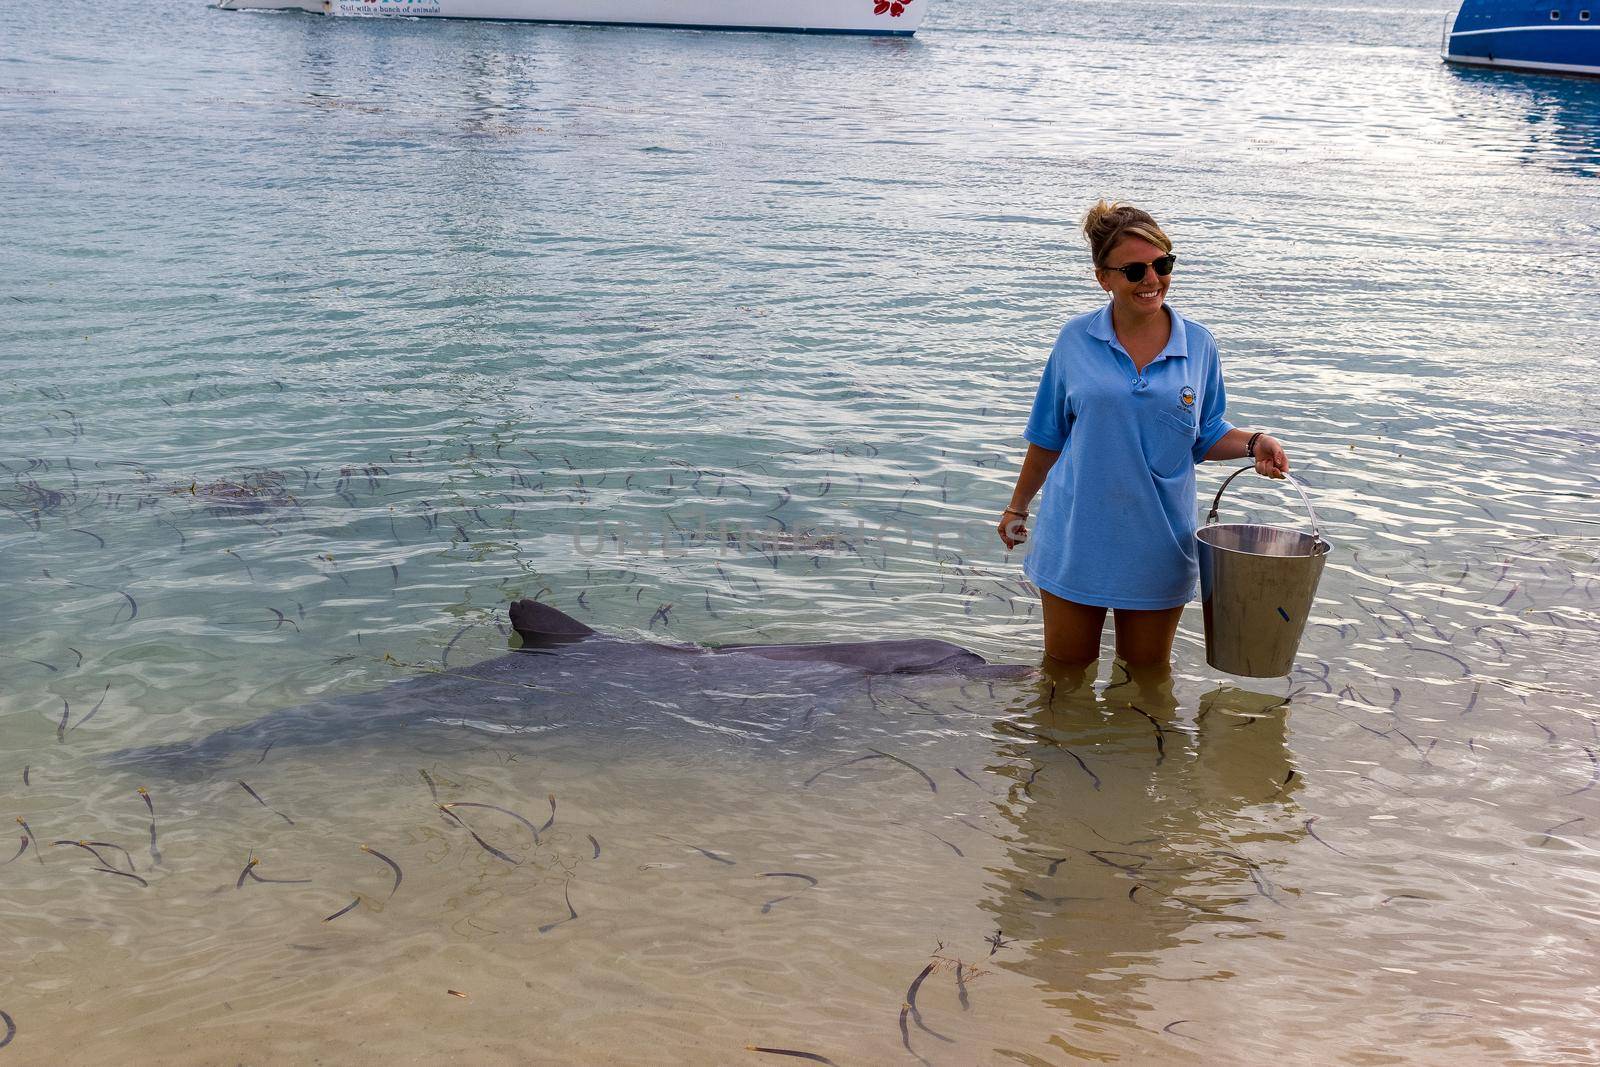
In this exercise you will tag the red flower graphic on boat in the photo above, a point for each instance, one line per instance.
(892, 7)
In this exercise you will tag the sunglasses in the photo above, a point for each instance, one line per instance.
(1134, 272)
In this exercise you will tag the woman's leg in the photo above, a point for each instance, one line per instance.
(1144, 638)
(1071, 630)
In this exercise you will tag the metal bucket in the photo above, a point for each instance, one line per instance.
(1256, 588)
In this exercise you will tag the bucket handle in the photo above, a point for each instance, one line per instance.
(1211, 517)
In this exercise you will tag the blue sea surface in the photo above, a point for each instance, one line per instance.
(323, 339)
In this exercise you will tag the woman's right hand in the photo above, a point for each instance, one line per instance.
(1012, 529)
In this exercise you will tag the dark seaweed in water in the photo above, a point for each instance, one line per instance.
(28, 500)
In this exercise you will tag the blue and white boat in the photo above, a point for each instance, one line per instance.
(1559, 36)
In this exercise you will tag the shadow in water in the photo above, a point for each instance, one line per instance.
(1128, 829)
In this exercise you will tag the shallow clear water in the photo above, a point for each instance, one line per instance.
(324, 340)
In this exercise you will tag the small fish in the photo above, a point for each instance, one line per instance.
(572, 913)
(246, 872)
(551, 821)
(1161, 734)
(1318, 838)
(767, 907)
(25, 771)
(1593, 777)
(393, 866)
(481, 842)
(1053, 901)
(444, 657)
(967, 776)
(11, 1030)
(110, 844)
(155, 853)
(61, 727)
(264, 751)
(105, 693)
(433, 792)
(596, 845)
(961, 987)
(1261, 884)
(263, 803)
(789, 874)
(905, 1033)
(343, 910)
(248, 572)
(812, 1056)
(708, 854)
(943, 842)
(86, 847)
(838, 766)
(132, 604)
(911, 1004)
(932, 786)
(1095, 778)
(39, 852)
(1099, 855)
(504, 811)
(123, 874)
(254, 877)
(1558, 826)
(20, 850)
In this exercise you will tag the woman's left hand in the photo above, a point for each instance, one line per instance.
(1271, 460)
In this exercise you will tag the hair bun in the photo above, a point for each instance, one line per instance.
(1109, 221)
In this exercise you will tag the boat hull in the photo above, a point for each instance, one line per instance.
(1520, 36)
(898, 18)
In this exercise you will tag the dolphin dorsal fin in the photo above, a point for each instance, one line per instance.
(537, 623)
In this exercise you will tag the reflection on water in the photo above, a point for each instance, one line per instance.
(1560, 116)
(1129, 834)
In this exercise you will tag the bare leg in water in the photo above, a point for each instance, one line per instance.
(1072, 633)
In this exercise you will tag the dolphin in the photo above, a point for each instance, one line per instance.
(567, 678)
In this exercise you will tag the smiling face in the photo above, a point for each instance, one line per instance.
(1143, 297)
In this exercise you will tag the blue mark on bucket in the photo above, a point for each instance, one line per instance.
(1285, 614)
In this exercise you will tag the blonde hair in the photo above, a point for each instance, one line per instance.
(1107, 223)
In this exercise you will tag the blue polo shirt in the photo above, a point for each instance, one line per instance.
(1116, 526)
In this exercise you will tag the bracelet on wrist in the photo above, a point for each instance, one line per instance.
(1250, 446)
(1014, 511)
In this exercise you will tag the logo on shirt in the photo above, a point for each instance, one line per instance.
(1186, 398)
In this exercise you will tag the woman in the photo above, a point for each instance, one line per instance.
(1130, 401)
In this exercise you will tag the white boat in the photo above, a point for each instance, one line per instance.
(897, 18)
